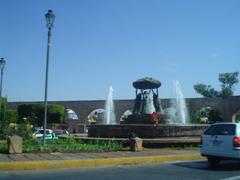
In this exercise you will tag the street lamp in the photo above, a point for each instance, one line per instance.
(2, 65)
(50, 20)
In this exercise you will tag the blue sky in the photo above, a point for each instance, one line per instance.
(102, 43)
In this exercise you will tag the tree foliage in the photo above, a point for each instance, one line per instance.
(227, 80)
(3, 107)
(206, 90)
(34, 114)
(2, 114)
(11, 116)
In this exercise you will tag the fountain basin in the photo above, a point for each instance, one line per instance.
(145, 130)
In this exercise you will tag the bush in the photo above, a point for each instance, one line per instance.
(70, 145)
(237, 117)
(24, 130)
(208, 115)
(65, 145)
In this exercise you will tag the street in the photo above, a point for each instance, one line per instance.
(229, 170)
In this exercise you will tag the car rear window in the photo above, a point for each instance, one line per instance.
(221, 129)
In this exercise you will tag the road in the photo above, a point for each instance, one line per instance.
(174, 171)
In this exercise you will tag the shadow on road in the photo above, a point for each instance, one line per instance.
(226, 165)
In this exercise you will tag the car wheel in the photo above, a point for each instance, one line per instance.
(213, 161)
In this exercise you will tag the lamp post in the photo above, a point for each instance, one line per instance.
(50, 20)
(2, 65)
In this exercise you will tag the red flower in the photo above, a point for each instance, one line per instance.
(154, 115)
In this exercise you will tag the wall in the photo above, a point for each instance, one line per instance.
(228, 106)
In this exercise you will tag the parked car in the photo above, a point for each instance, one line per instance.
(49, 134)
(58, 132)
(221, 141)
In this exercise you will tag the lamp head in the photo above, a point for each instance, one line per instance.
(50, 17)
(2, 63)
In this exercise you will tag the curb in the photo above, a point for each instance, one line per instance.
(88, 163)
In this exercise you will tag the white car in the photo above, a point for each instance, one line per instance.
(49, 134)
(221, 141)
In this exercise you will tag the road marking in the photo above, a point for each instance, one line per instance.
(232, 178)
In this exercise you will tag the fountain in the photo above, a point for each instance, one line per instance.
(178, 112)
(148, 119)
(147, 107)
(109, 114)
(104, 116)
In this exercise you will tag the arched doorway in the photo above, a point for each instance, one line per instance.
(71, 115)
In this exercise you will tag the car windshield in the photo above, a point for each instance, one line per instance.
(221, 129)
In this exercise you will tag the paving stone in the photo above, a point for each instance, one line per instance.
(47, 156)
(34, 156)
(18, 157)
(87, 156)
(65, 156)
(73, 156)
(5, 158)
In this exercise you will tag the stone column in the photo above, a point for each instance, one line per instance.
(136, 144)
(14, 144)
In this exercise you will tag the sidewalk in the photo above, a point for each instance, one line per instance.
(29, 161)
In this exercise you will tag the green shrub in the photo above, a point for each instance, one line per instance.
(208, 115)
(237, 117)
(3, 146)
(70, 145)
(24, 130)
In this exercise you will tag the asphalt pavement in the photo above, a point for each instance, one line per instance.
(187, 170)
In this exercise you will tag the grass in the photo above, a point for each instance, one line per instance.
(72, 146)
(65, 145)
(3, 146)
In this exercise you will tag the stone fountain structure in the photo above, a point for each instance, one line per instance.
(147, 120)
(147, 106)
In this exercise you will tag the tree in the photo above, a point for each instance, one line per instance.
(34, 113)
(3, 110)
(11, 116)
(206, 90)
(227, 80)
(55, 113)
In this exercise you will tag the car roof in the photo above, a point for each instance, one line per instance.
(226, 123)
(59, 129)
(43, 129)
